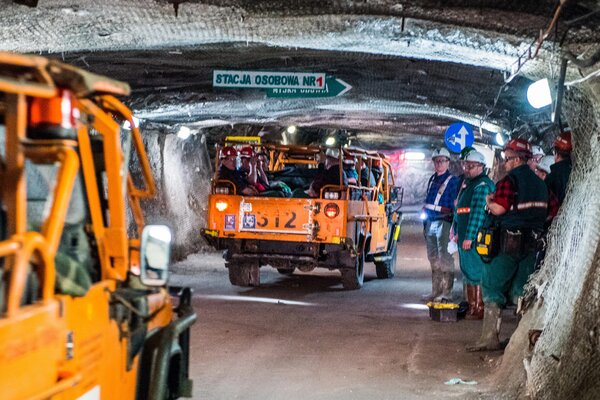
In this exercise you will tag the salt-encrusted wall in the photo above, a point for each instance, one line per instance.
(182, 171)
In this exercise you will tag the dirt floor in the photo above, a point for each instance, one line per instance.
(304, 337)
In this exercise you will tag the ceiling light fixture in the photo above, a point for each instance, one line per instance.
(330, 141)
(538, 94)
(127, 125)
(414, 156)
(291, 129)
(500, 139)
(184, 133)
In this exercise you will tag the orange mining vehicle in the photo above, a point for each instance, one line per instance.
(85, 312)
(336, 225)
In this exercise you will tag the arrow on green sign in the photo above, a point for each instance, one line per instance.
(333, 87)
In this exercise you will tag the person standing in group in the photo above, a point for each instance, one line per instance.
(463, 154)
(536, 155)
(520, 205)
(542, 170)
(438, 211)
(469, 216)
(558, 178)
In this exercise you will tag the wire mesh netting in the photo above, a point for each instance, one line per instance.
(564, 363)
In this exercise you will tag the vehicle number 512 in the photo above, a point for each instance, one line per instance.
(287, 222)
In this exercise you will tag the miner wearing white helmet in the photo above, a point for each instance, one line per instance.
(542, 169)
(469, 217)
(437, 219)
(536, 155)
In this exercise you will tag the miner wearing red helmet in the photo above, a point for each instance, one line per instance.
(519, 207)
(248, 165)
(228, 171)
(558, 178)
(350, 168)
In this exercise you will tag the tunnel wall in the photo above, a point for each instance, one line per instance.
(564, 296)
(182, 172)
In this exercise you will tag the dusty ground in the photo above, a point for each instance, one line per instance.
(303, 337)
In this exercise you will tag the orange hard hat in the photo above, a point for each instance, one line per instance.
(519, 145)
(228, 151)
(563, 142)
(246, 152)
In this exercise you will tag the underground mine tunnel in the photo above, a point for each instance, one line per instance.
(398, 76)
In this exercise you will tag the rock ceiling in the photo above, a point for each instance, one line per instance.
(414, 67)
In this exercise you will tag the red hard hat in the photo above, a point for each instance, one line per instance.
(228, 151)
(349, 158)
(519, 145)
(563, 142)
(246, 152)
(377, 162)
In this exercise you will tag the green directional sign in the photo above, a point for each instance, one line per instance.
(333, 87)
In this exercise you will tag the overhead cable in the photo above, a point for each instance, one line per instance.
(527, 55)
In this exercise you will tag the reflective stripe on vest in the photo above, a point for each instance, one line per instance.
(532, 204)
(441, 190)
(444, 210)
(463, 210)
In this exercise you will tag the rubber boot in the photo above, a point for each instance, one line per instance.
(436, 286)
(492, 318)
(447, 284)
(475, 301)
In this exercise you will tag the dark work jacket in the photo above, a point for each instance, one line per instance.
(558, 178)
(235, 176)
(367, 179)
(532, 201)
(329, 176)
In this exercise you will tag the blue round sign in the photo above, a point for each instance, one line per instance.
(458, 136)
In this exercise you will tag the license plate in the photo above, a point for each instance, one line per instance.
(276, 216)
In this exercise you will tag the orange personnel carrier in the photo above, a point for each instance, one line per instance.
(84, 308)
(341, 228)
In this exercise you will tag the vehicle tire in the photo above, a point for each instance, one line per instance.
(286, 271)
(243, 274)
(353, 278)
(387, 269)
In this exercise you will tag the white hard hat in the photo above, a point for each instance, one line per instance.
(537, 151)
(333, 153)
(545, 163)
(475, 156)
(440, 153)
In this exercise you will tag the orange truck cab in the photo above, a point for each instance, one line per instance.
(85, 311)
(346, 220)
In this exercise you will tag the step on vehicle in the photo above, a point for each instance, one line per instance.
(338, 227)
(85, 312)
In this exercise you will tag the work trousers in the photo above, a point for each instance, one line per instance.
(506, 276)
(470, 265)
(437, 236)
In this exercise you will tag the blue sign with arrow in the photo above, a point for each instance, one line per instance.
(458, 136)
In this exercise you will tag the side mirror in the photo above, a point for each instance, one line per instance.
(155, 253)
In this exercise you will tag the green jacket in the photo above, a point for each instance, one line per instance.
(470, 208)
